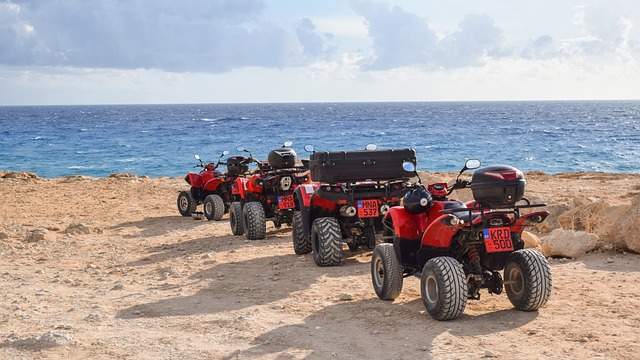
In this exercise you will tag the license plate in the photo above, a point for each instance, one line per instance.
(498, 239)
(367, 208)
(286, 202)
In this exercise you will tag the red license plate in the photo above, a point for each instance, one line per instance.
(367, 208)
(498, 239)
(286, 202)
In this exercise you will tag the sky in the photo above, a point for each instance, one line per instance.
(64, 52)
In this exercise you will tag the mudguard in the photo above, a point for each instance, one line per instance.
(302, 195)
(213, 184)
(194, 179)
(526, 220)
(439, 233)
(405, 224)
(239, 187)
(252, 185)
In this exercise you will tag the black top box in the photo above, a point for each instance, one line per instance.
(237, 165)
(282, 158)
(361, 165)
(498, 185)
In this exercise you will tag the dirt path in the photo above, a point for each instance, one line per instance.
(112, 271)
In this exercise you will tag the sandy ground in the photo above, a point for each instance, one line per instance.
(106, 268)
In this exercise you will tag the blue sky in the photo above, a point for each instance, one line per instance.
(230, 51)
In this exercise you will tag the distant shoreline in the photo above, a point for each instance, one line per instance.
(9, 174)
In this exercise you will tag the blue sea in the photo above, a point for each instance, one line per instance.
(160, 140)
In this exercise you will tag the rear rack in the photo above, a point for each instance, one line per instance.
(513, 209)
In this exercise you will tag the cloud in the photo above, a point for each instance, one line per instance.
(606, 35)
(477, 37)
(401, 38)
(312, 43)
(193, 35)
(543, 47)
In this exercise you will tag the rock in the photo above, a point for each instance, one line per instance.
(123, 176)
(530, 240)
(629, 236)
(75, 178)
(584, 217)
(567, 243)
(346, 297)
(4, 235)
(169, 270)
(39, 342)
(18, 175)
(78, 228)
(36, 235)
(489, 354)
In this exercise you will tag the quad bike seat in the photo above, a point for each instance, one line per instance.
(465, 216)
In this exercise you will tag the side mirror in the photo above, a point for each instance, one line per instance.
(287, 143)
(197, 157)
(309, 148)
(371, 147)
(408, 166)
(225, 153)
(472, 164)
(240, 148)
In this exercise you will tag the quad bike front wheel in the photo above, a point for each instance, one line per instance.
(326, 241)
(235, 218)
(254, 221)
(301, 243)
(386, 272)
(213, 207)
(527, 279)
(186, 204)
(443, 288)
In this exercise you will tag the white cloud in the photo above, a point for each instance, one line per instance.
(402, 39)
(110, 51)
(197, 35)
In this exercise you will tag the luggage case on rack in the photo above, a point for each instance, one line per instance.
(361, 165)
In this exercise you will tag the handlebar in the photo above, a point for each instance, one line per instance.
(458, 184)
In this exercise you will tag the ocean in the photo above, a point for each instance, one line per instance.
(161, 140)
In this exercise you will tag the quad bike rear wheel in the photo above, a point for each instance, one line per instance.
(213, 207)
(301, 243)
(235, 218)
(386, 272)
(186, 204)
(527, 279)
(254, 221)
(443, 288)
(326, 240)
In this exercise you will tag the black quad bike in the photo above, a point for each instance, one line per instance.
(268, 193)
(457, 249)
(354, 190)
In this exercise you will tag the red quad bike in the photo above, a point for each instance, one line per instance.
(459, 248)
(355, 190)
(268, 193)
(210, 187)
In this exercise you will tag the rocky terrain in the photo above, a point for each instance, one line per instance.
(106, 268)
